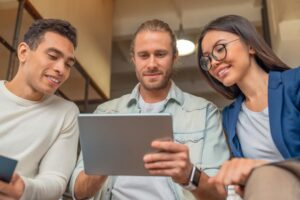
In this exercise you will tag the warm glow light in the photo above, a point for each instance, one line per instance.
(185, 47)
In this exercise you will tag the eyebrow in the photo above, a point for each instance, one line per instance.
(158, 50)
(141, 52)
(216, 43)
(52, 49)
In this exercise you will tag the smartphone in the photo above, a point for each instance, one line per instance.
(7, 168)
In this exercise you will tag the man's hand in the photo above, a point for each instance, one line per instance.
(172, 159)
(235, 172)
(12, 190)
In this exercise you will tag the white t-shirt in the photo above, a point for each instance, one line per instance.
(253, 130)
(43, 137)
(143, 187)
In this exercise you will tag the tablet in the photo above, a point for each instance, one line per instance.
(115, 144)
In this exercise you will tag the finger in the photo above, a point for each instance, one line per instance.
(218, 185)
(239, 190)
(14, 189)
(4, 188)
(219, 178)
(160, 172)
(161, 156)
(174, 173)
(233, 171)
(5, 197)
(165, 156)
(221, 189)
(249, 167)
(243, 169)
(236, 169)
(169, 146)
(167, 165)
(164, 139)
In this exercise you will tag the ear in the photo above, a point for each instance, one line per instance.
(132, 59)
(251, 50)
(23, 51)
(175, 57)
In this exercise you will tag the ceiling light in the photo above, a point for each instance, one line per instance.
(184, 45)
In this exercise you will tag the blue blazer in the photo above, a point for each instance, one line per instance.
(284, 114)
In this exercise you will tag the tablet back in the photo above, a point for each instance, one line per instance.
(115, 144)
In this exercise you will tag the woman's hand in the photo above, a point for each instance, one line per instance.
(235, 172)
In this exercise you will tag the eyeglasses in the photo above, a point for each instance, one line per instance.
(218, 53)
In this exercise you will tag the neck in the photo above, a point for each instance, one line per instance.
(154, 95)
(254, 86)
(19, 87)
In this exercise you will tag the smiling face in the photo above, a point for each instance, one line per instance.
(44, 69)
(237, 62)
(153, 58)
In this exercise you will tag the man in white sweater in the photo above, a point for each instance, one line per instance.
(38, 128)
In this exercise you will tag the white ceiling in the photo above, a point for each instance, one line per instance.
(194, 14)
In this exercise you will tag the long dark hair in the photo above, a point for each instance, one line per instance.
(241, 27)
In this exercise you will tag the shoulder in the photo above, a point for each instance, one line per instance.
(289, 80)
(60, 104)
(287, 77)
(291, 75)
(115, 105)
(192, 102)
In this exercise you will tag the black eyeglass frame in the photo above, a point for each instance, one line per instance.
(211, 56)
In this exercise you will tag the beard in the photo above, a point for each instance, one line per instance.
(156, 83)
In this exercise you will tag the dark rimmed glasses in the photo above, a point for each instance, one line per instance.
(218, 53)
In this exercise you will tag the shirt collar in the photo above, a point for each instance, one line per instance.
(175, 94)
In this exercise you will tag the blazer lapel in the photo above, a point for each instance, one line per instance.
(233, 118)
(275, 103)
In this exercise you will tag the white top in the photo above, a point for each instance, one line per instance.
(253, 130)
(143, 187)
(43, 137)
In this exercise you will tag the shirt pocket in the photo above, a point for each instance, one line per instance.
(195, 142)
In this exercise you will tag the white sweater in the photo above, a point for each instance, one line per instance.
(43, 137)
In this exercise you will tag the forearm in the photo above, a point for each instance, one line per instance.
(206, 191)
(44, 187)
(87, 186)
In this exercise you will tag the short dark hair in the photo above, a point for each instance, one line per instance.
(240, 26)
(155, 25)
(38, 28)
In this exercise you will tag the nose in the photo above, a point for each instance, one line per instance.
(152, 62)
(213, 62)
(60, 67)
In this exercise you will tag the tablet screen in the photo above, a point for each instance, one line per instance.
(115, 144)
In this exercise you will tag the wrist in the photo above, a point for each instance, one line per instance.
(193, 180)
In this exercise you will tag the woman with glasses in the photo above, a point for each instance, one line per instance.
(263, 123)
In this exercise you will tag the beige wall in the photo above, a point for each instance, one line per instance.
(93, 20)
(284, 19)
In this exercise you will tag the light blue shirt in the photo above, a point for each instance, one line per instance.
(144, 187)
(196, 123)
